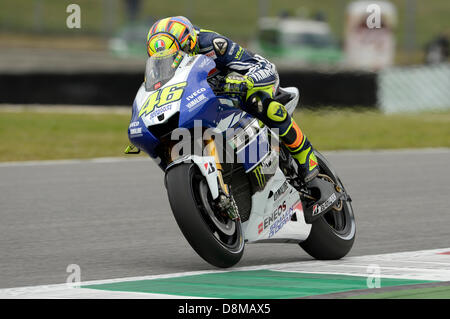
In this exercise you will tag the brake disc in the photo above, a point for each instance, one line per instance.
(227, 228)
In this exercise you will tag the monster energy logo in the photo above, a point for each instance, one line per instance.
(260, 177)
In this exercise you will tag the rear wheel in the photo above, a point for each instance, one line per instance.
(215, 237)
(332, 234)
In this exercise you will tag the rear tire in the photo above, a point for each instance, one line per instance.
(219, 248)
(327, 241)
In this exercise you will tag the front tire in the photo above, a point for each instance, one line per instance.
(218, 241)
(332, 234)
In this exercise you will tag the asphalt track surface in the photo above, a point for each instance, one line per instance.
(112, 218)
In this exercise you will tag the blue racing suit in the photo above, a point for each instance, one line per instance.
(231, 57)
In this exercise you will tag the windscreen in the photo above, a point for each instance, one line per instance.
(161, 68)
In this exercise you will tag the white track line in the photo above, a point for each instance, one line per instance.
(438, 150)
(437, 269)
(66, 109)
(100, 160)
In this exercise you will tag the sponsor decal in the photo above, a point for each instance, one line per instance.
(196, 93)
(195, 102)
(279, 217)
(157, 86)
(260, 177)
(211, 54)
(318, 209)
(238, 55)
(281, 191)
(220, 45)
(134, 124)
(209, 168)
(312, 164)
(280, 222)
(280, 112)
(160, 111)
(135, 131)
(260, 228)
(275, 214)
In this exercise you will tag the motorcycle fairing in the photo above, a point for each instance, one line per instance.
(264, 224)
(281, 228)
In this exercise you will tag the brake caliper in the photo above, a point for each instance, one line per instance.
(227, 204)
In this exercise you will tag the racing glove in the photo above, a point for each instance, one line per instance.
(237, 84)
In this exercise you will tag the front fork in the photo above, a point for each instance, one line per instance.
(211, 150)
(225, 202)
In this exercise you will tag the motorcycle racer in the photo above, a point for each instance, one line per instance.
(242, 71)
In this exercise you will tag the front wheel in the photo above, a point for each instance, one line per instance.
(332, 234)
(216, 238)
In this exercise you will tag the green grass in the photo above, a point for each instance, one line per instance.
(40, 136)
(30, 135)
(332, 130)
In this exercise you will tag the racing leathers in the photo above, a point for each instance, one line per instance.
(242, 69)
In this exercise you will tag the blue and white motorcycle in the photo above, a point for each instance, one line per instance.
(220, 204)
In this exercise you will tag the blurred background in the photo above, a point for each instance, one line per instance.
(415, 24)
(66, 93)
(325, 48)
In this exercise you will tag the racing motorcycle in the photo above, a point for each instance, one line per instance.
(251, 196)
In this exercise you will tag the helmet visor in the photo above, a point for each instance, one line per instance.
(161, 67)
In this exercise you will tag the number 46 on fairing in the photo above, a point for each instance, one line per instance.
(162, 97)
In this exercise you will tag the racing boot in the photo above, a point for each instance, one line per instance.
(295, 141)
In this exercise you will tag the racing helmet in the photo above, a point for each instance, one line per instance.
(173, 33)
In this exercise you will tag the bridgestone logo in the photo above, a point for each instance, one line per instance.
(318, 209)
